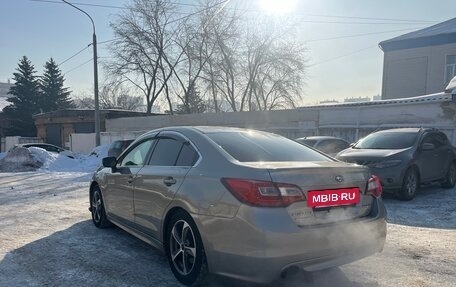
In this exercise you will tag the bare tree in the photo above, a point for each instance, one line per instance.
(145, 34)
(112, 96)
(222, 49)
(214, 56)
(117, 96)
(255, 65)
(274, 67)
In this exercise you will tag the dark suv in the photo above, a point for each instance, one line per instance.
(405, 158)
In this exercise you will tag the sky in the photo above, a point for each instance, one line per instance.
(342, 38)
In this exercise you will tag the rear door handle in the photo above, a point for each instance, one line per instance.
(130, 179)
(169, 181)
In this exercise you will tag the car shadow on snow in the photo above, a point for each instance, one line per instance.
(83, 255)
(432, 207)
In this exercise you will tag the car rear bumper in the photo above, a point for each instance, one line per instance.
(259, 244)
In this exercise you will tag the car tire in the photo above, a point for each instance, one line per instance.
(97, 209)
(184, 250)
(450, 177)
(410, 184)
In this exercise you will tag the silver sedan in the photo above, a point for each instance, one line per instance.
(239, 203)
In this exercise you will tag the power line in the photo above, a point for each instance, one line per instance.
(78, 66)
(108, 41)
(343, 56)
(93, 5)
(360, 23)
(370, 18)
(259, 11)
(359, 35)
(200, 11)
(75, 54)
(81, 4)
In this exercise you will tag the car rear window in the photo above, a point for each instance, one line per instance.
(308, 142)
(255, 146)
(385, 140)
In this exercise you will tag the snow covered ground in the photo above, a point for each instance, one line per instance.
(47, 239)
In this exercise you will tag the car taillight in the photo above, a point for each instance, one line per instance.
(263, 193)
(374, 186)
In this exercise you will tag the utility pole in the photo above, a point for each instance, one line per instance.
(95, 76)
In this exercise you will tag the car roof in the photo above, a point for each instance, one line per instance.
(201, 129)
(34, 144)
(320, 138)
(403, 130)
(25, 144)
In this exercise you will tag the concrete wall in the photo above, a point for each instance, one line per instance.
(83, 143)
(348, 121)
(109, 137)
(10, 142)
(259, 120)
(415, 72)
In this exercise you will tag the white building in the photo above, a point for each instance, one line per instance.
(419, 63)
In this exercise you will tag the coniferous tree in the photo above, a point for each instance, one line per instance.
(24, 100)
(193, 103)
(54, 96)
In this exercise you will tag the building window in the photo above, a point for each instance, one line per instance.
(450, 68)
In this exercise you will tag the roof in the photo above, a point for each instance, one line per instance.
(438, 97)
(320, 138)
(406, 130)
(4, 103)
(439, 34)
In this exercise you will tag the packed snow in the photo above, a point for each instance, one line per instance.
(47, 239)
(34, 158)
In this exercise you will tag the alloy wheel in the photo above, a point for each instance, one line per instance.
(96, 206)
(183, 247)
(452, 175)
(411, 183)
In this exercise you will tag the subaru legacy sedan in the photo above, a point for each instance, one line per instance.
(239, 203)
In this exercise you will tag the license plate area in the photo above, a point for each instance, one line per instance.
(327, 198)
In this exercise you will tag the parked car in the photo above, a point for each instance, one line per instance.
(239, 203)
(326, 144)
(117, 147)
(49, 148)
(405, 158)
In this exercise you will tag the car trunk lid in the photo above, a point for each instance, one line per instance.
(321, 182)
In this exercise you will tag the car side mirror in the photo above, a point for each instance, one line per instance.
(428, 146)
(109, 161)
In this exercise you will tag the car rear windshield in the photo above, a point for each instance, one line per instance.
(308, 142)
(384, 140)
(253, 146)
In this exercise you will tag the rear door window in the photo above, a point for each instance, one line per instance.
(166, 152)
(187, 156)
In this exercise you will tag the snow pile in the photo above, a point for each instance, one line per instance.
(19, 159)
(35, 158)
